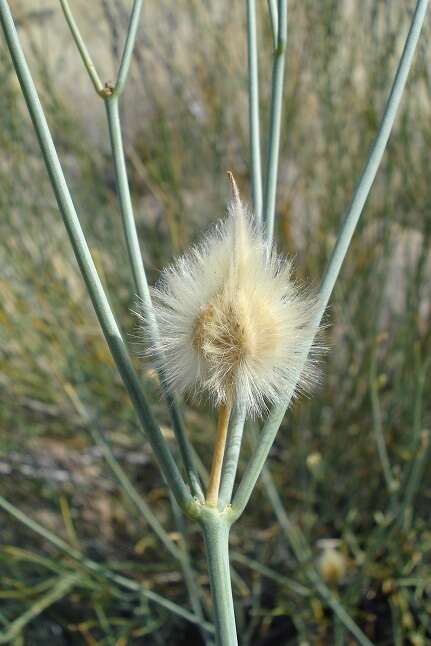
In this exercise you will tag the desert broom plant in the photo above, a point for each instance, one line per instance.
(217, 330)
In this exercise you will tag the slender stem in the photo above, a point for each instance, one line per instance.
(186, 450)
(181, 555)
(141, 283)
(63, 586)
(378, 428)
(348, 226)
(292, 585)
(130, 232)
(106, 90)
(190, 576)
(132, 240)
(273, 14)
(216, 533)
(422, 446)
(332, 600)
(85, 261)
(219, 448)
(97, 568)
(303, 554)
(275, 123)
(254, 120)
(257, 462)
(129, 45)
(134, 496)
(375, 157)
(85, 55)
(418, 468)
(296, 541)
(230, 462)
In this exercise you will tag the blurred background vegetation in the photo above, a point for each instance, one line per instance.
(186, 123)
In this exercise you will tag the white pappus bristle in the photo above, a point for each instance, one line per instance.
(233, 323)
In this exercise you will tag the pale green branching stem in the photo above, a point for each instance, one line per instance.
(85, 55)
(132, 240)
(63, 586)
(254, 119)
(215, 523)
(273, 15)
(272, 424)
(216, 528)
(181, 555)
(134, 496)
(129, 224)
(97, 568)
(191, 578)
(378, 427)
(111, 96)
(369, 172)
(230, 463)
(422, 446)
(140, 279)
(303, 554)
(129, 45)
(275, 123)
(86, 264)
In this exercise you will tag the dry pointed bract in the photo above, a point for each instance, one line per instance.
(233, 323)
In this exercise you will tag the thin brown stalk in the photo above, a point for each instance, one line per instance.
(219, 448)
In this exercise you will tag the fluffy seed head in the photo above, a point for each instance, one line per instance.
(233, 324)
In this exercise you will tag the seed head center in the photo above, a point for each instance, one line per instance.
(220, 336)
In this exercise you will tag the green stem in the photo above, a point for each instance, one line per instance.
(378, 427)
(253, 96)
(331, 599)
(216, 533)
(273, 15)
(294, 586)
(106, 91)
(181, 555)
(141, 283)
(272, 424)
(62, 588)
(134, 496)
(85, 55)
(304, 555)
(97, 568)
(296, 541)
(371, 167)
(129, 45)
(230, 462)
(190, 576)
(94, 286)
(275, 123)
(130, 232)
(421, 448)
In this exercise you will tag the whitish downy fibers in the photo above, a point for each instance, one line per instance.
(233, 323)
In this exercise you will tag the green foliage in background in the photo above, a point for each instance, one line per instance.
(185, 123)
